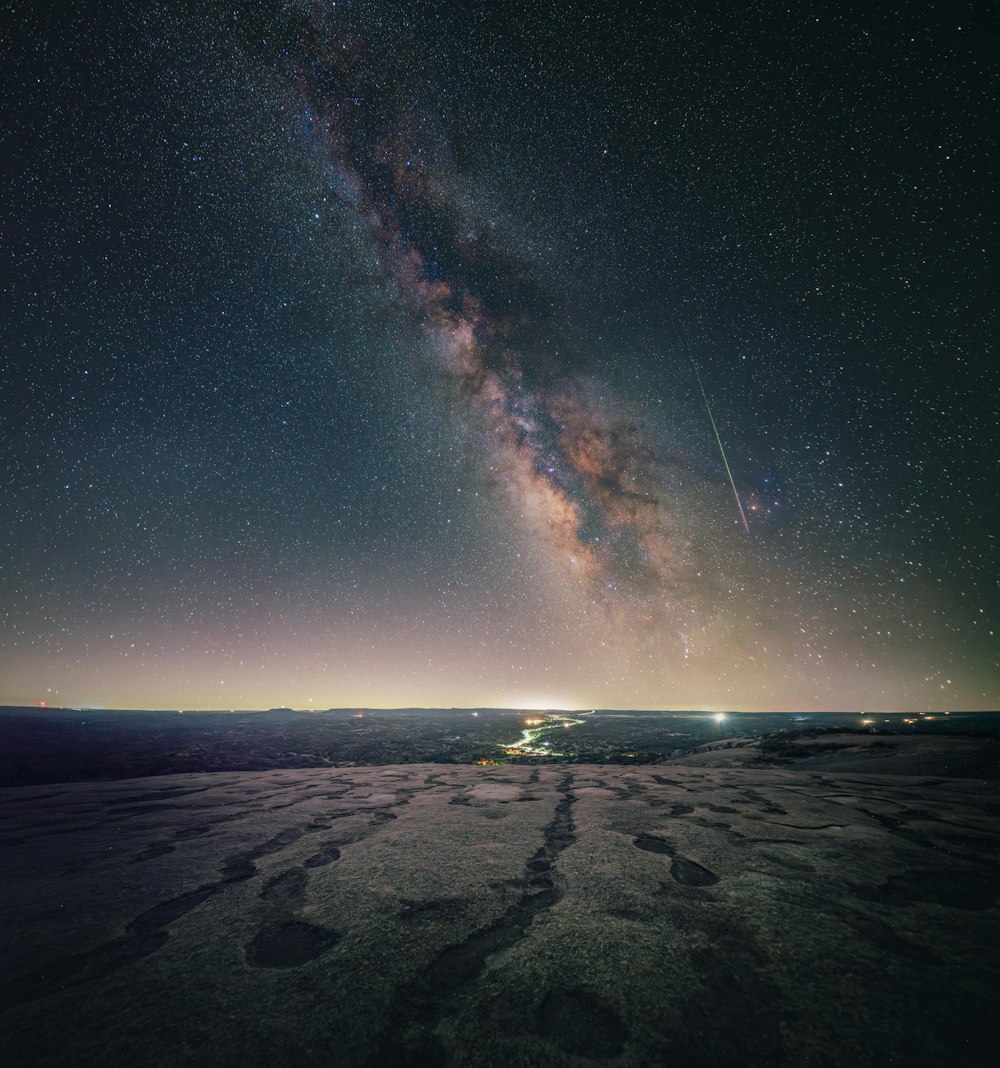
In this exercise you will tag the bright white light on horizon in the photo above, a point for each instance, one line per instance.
(720, 718)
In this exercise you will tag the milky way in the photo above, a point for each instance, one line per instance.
(590, 484)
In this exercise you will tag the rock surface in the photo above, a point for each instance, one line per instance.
(426, 914)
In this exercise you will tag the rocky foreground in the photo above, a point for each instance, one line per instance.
(425, 914)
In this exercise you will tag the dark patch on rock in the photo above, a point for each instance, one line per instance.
(327, 855)
(286, 890)
(241, 866)
(462, 963)
(560, 832)
(651, 844)
(688, 873)
(238, 867)
(630, 791)
(289, 945)
(538, 900)
(167, 911)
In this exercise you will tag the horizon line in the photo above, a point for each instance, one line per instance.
(504, 708)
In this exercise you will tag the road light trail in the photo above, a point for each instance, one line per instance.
(528, 744)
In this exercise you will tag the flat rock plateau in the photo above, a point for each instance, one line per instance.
(427, 914)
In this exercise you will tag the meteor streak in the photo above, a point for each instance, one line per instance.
(715, 430)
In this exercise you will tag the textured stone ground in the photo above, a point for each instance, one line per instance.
(427, 914)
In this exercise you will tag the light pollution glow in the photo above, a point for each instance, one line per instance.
(307, 674)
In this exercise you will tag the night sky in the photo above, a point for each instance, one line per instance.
(351, 355)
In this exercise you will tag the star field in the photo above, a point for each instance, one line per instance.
(345, 356)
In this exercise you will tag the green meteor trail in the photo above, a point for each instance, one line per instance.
(715, 430)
